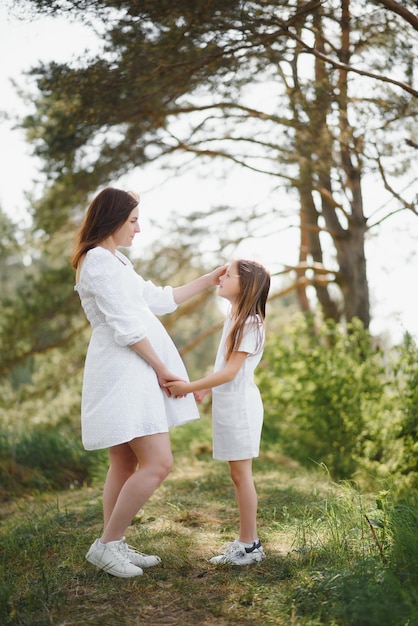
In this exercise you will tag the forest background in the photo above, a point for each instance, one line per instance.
(177, 85)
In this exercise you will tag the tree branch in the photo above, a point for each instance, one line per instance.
(407, 205)
(399, 9)
(350, 68)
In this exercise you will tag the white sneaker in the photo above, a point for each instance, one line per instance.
(111, 558)
(140, 559)
(236, 553)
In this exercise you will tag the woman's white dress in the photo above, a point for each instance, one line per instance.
(121, 397)
(237, 408)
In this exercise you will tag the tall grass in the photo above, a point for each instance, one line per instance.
(43, 457)
(325, 566)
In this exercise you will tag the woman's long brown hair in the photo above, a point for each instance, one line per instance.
(254, 282)
(107, 212)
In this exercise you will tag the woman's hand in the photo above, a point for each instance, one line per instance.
(216, 274)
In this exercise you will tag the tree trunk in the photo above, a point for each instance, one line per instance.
(352, 276)
(345, 225)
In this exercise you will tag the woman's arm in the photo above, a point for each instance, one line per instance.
(183, 293)
(144, 349)
(225, 375)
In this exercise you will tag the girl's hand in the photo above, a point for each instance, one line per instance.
(165, 377)
(199, 395)
(178, 388)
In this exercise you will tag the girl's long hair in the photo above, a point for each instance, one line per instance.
(107, 212)
(254, 282)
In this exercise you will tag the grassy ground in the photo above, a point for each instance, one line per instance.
(325, 563)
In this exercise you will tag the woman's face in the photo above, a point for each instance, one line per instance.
(124, 236)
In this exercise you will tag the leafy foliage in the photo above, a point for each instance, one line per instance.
(180, 77)
(406, 372)
(322, 389)
(36, 318)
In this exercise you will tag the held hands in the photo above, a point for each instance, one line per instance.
(164, 379)
(178, 388)
(167, 381)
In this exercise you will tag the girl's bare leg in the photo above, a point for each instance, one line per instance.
(154, 459)
(246, 496)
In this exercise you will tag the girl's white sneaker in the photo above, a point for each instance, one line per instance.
(238, 554)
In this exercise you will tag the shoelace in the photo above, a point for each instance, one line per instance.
(123, 548)
(118, 555)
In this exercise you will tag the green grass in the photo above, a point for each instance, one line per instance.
(325, 566)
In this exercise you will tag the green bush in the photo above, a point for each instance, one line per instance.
(44, 457)
(403, 518)
(406, 379)
(321, 388)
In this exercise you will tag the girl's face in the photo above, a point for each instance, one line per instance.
(124, 236)
(229, 286)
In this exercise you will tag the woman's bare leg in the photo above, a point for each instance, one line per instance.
(154, 459)
(123, 464)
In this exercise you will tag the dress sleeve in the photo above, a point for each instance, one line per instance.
(253, 338)
(114, 300)
(159, 299)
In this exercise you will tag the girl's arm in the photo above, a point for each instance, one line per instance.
(183, 293)
(200, 395)
(225, 375)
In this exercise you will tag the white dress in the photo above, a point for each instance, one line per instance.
(237, 407)
(121, 397)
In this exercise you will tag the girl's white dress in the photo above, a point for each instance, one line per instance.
(121, 397)
(237, 408)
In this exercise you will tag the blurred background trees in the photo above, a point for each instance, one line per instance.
(320, 98)
(315, 95)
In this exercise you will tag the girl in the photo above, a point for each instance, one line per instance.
(236, 403)
(125, 406)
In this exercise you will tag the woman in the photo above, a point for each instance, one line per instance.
(125, 406)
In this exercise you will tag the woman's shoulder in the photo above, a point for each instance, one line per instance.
(98, 252)
(103, 255)
(97, 257)
(98, 261)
